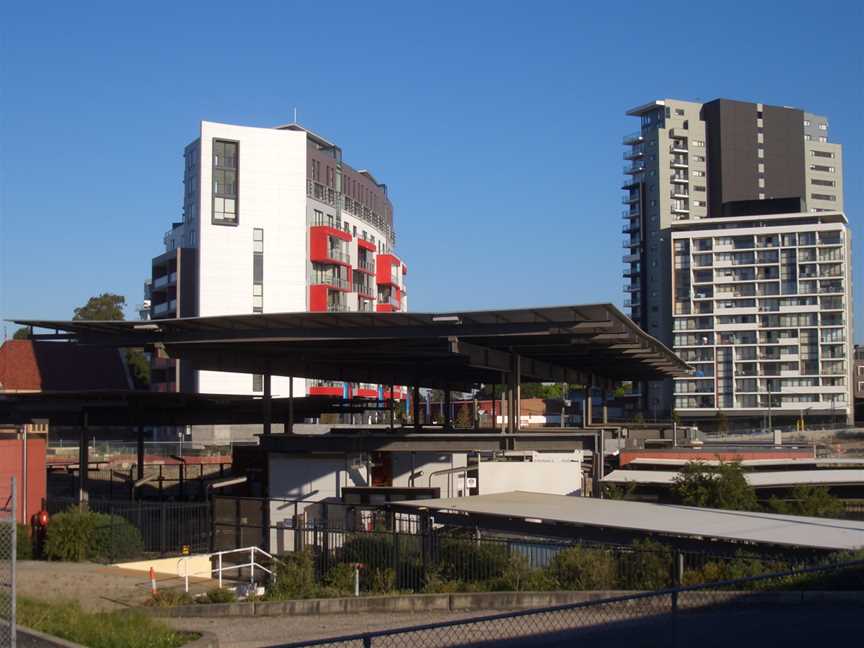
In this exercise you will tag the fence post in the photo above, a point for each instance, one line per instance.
(162, 528)
(211, 525)
(677, 577)
(325, 548)
(396, 549)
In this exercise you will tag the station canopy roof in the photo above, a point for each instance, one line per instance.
(610, 516)
(575, 344)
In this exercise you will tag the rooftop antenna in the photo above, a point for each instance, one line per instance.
(295, 114)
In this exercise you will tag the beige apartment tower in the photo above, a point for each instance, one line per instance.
(737, 254)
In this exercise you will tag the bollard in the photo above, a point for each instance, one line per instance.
(153, 582)
(356, 580)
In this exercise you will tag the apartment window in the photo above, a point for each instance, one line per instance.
(822, 154)
(822, 126)
(699, 143)
(257, 382)
(806, 122)
(822, 183)
(257, 270)
(699, 174)
(679, 111)
(225, 174)
(822, 168)
(699, 158)
(823, 197)
(698, 188)
(822, 139)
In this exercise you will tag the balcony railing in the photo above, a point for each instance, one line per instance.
(337, 307)
(367, 265)
(165, 280)
(323, 278)
(631, 243)
(636, 167)
(632, 138)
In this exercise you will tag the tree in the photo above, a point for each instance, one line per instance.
(109, 307)
(720, 487)
(106, 306)
(809, 500)
(463, 417)
(22, 333)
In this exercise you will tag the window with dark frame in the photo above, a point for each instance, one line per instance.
(225, 175)
(257, 270)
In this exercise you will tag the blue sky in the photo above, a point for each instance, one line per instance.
(497, 125)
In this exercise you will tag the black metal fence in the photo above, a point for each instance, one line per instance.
(646, 617)
(129, 530)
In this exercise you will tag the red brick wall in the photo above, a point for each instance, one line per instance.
(11, 464)
(627, 456)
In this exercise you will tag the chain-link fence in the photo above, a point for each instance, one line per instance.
(7, 564)
(617, 620)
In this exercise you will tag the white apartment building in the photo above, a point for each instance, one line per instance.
(726, 162)
(762, 311)
(273, 221)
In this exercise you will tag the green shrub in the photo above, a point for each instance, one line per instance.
(519, 576)
(115, 538)
(70, 536)
(126, 629)
(467, 560)
(169, 598)
(23, 543)
(647, 567)
(381, 580)
(294, 577)
(583, 568)
(340, 578)
(220, 595)
(77, 535)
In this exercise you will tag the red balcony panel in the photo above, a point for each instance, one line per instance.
(319, 246)
(321, 390)
(400, 393)
(384, 263)
(385, 308)
(318, 299)
(368, 245)
(366, 393)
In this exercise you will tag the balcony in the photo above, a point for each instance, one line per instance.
(632, 287)
(337, 307)
(633, 138)
(365, 265)
(165, 280)
(331, 280)
(679, 163)
(630, 243)
(630, 227)
(635, 153)
(630, 199)
(680, 178)
(680, 191)
(631, 258)
(636, 167)
(680, 209)
(328, 245)
(165, 307)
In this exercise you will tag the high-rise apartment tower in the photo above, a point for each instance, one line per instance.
(737, 245)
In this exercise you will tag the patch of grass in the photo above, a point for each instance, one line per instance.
(169, 598)
(66, 619)
(219, 595)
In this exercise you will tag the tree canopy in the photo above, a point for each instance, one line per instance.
(22, 333)
(809, 500)
(720, 487)
(106, 306)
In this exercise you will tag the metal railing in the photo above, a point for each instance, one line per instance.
(566, 623)
(221, 568)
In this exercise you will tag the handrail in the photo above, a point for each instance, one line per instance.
(252, 564)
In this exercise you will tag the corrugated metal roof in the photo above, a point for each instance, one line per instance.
(753, 463)
(774, 478)
(659, 519)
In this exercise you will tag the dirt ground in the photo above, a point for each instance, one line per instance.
(96, 587)
(103, 588)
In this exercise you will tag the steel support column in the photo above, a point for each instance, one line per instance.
(447, 407)
(416, 405)
(140, 451)
(268, 404)
(83, 462)
(289, 427)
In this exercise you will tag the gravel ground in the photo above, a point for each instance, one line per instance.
(96, 587)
